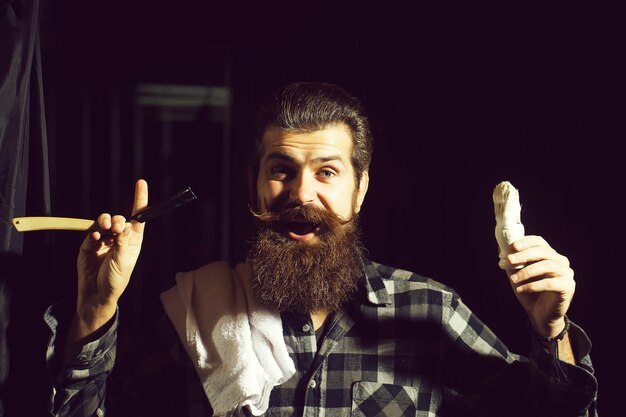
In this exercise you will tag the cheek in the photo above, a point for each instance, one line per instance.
(340, 200)
(268, 193)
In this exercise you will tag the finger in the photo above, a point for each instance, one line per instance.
(559, 285)
(126, 238)
(94, 236)
(546, 268)
(528, 241)
(118, 223)
(104, 221)
(534, 254)
(90, 241)
(140, 203)
(94, 242)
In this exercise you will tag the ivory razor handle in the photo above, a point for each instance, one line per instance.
(28, 224)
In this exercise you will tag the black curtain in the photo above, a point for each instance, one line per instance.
(24, 189)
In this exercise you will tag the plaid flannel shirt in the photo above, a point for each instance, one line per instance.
(407, 346)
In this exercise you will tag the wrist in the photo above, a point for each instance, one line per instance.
(553, 332)
(90, 318)
(84, 329)
(550, 329)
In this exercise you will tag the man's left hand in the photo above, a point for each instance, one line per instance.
(545, 286)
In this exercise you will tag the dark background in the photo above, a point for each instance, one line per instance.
(459, 99)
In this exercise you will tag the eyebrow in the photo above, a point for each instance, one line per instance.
(289, 158)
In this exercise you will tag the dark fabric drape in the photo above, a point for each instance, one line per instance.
(24, 174)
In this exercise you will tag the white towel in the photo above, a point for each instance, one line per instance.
(235, 343)
(509, 227)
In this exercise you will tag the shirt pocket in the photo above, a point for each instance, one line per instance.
(371, 399)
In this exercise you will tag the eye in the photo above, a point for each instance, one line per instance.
(280, 172)
(327, 173)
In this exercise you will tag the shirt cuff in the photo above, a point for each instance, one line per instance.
(58, 317)
(565, 383)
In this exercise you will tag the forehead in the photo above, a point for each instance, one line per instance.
(332, 140)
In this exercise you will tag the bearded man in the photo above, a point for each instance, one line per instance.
(309, 325)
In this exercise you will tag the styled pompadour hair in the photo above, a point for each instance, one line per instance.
(311, 106)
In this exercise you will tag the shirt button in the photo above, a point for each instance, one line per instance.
(312, 384)
(306, 328)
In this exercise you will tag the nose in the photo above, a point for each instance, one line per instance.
(302, 189)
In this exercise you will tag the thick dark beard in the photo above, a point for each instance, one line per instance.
(304, 277)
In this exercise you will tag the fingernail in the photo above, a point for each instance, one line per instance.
(514, 277)
(512, 258)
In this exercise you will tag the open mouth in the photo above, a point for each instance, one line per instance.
(301, 228)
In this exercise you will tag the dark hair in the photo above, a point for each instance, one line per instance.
(311, 106)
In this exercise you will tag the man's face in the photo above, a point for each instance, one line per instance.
(305, 252)
(309, 168)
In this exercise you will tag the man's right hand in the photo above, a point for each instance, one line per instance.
(105, 265)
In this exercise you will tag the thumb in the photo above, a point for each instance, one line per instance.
(140, 203)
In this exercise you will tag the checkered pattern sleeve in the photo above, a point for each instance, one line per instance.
(481, 373)
(152, 376)
(80, 386)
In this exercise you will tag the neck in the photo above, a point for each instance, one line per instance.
(318, 318)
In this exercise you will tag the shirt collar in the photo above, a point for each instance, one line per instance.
(374, 286)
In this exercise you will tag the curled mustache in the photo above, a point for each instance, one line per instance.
(310, 213)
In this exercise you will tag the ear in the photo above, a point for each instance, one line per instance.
(361, 191)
